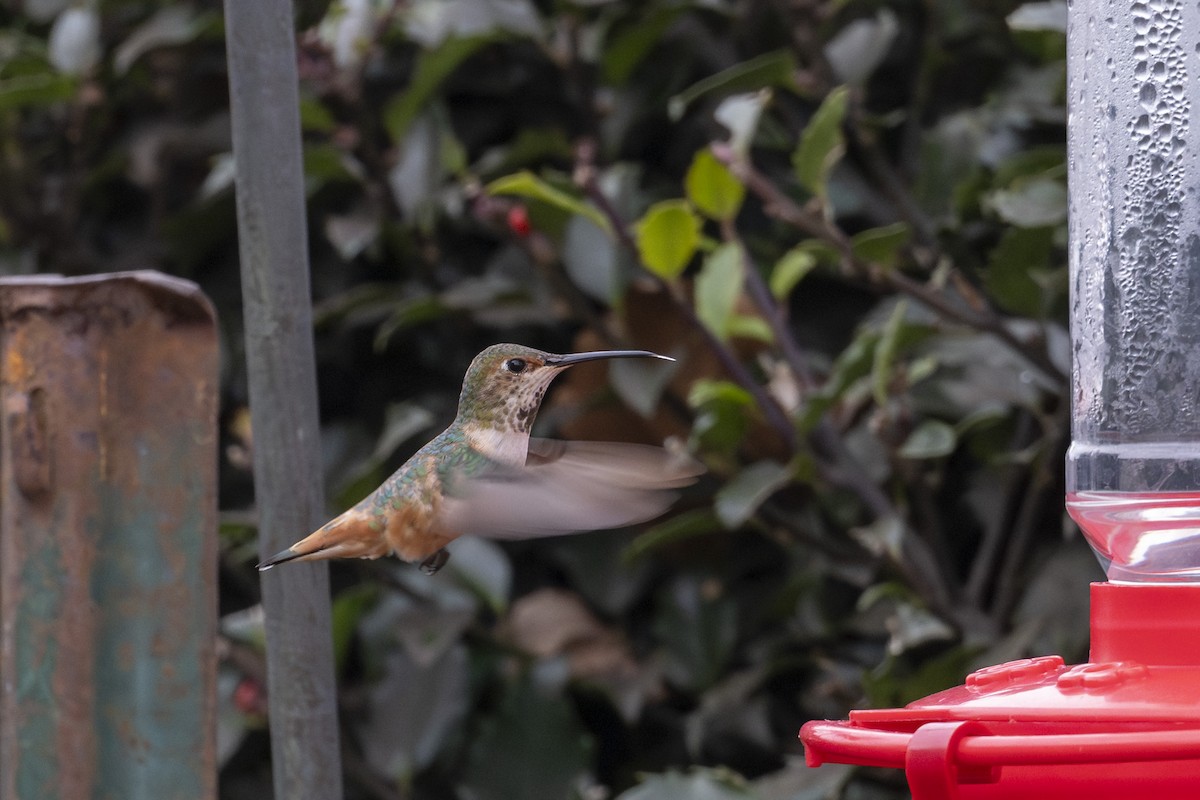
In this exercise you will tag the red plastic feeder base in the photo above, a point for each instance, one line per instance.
(1125, 725)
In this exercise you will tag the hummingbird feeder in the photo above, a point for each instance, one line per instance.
(1127, 723)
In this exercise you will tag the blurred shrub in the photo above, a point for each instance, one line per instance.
(847, 222)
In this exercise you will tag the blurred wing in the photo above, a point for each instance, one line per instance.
(567, 487)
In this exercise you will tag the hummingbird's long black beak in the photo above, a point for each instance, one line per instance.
(578, 358)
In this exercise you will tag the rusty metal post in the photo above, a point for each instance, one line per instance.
(108, 390)
(273, 240)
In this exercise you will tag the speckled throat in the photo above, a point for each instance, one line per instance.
(509, 404)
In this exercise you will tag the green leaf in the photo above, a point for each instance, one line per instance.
(687, 525)
(740, 113)
(744, 326)
(433, 68)
(737, 500)
(719, 428)
(712, 188)
(640, 383)
(881, 245)
(854, 52)
(896, 682)
(347, 610)
(533, 746)
(529, 146)
(591, 260)
(169, 26)
(723, 411)
(704, 392)
(595, 567)
(885, 353)
(790, 270)
(697, 632)
(851, 365)
(39, 89)
(526, 184)
(777, 68)
(718, 287)
(667, 237)
(699, 784)
(411, 710)
(1047, 161)
(1009, 278)
(931, 439)
(325, 164)
(482, 568)
(625, 51)
(315, 117)
(247, 626)
(1032, 203)
(822, 143)
(425, 621)
(414, 311)
(882, 537)
(1048, 16)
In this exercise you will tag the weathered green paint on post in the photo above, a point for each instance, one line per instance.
(108, 390)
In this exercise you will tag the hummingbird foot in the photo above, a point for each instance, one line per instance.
(435, 562)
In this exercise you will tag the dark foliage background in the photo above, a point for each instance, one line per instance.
(845, 219)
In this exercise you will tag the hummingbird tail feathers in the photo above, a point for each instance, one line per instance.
(347, 536)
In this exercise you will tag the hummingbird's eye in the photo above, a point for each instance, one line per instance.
(516, 365)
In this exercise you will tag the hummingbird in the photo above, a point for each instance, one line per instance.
(486, 476)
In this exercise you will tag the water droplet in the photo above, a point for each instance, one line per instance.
(1147, 96)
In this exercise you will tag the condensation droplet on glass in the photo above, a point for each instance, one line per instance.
(1147, 96)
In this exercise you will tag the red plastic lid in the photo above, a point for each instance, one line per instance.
(1126, 724)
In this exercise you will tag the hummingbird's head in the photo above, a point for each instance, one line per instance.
(504, 385)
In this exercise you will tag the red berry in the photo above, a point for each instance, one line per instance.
(518, 221)
(248, 697)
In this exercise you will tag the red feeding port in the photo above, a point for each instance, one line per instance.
(1124, 725)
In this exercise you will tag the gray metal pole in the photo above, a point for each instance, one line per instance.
(272, 231)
